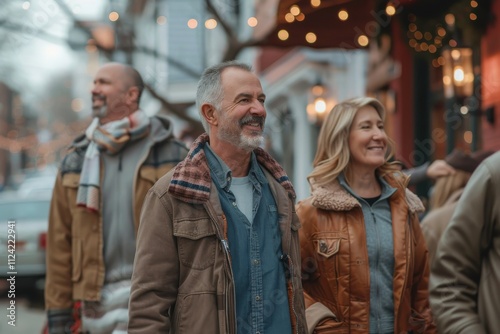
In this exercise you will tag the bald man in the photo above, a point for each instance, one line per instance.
(96, 203)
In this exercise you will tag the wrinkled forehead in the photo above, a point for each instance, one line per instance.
(237, 80)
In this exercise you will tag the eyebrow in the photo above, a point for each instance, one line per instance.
(247, 95)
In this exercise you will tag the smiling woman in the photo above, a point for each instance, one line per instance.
(355, 231)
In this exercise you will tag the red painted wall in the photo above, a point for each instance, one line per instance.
(490, 71)
(402, 119)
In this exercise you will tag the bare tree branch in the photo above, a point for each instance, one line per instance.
(234, 45)
(176, 110)
(225, 25)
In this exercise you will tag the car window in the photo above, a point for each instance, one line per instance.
(24, 210)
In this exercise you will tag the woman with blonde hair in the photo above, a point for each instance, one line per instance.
(364, 260)
(445, 196)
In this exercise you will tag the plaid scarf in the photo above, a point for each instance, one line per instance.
(111, 138)
(191, 179)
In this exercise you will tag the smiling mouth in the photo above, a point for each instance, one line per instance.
(253, 122)
(98, 100)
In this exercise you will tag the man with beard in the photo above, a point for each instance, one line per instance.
(217, 249)
(96, 204)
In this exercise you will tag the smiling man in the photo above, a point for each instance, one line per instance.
(218, 248)
(96, 202)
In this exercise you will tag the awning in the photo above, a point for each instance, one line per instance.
(323, 21)
(365, 17)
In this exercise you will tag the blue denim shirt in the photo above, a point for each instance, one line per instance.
(259, 275)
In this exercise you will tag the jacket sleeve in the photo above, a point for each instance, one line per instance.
(156, 270)
(417, 174)
(421, 318)
(457, 268)
(318, 316)
(58, 286)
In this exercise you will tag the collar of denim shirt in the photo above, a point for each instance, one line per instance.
(222, 174)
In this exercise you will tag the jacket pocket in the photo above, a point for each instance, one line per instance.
(196, 242)
(196, 313)
(327, 246)
(70, 182)
(76, 246)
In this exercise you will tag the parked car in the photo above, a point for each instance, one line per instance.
(36, 185)
(23, 226)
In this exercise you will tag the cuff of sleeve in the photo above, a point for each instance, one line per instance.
(60, 321)
(316, 313)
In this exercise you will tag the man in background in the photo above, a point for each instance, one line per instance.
(96, 203)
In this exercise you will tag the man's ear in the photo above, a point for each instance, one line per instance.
(133, 94)
(209, 113)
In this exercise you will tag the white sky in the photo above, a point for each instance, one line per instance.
(34, 59)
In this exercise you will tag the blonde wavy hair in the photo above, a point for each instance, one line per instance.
(333, 155)
(445, 186)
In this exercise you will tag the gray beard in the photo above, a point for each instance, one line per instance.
(246, 143)
(100, 112)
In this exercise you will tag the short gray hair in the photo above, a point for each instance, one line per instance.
(210, 87)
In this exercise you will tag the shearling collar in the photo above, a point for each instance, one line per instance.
(334, 197)
(191, 180)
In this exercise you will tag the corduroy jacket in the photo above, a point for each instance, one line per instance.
(335, 268)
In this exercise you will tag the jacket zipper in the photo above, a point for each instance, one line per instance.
(408, 251)
(292, 274)
(231, 328)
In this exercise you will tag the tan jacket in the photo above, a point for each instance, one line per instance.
(335, 267)
(466, 273)
(75, 265)
(183, 281)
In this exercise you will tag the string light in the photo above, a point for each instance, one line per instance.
(113, 16)
(390, 9)
(343, 15)
(315, 3)
(192, 23)
(363, 40)
(252, 21)
(210, 24)
(311, 37)
(161, 20)
(295, 10)
(283, 35)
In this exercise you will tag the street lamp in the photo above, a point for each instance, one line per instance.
(458, 75)
(320, 102)
(459, 85)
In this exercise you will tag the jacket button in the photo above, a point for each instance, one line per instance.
(323, 247)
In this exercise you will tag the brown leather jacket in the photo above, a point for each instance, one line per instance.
(335, 269)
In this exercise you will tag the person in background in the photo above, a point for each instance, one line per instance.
(465, 273)
(96, 202)
(218, 247)
(445, 196)
(364, 261)
(429, 171)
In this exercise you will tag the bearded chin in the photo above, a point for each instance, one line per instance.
(100, 112)
(251, 143)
